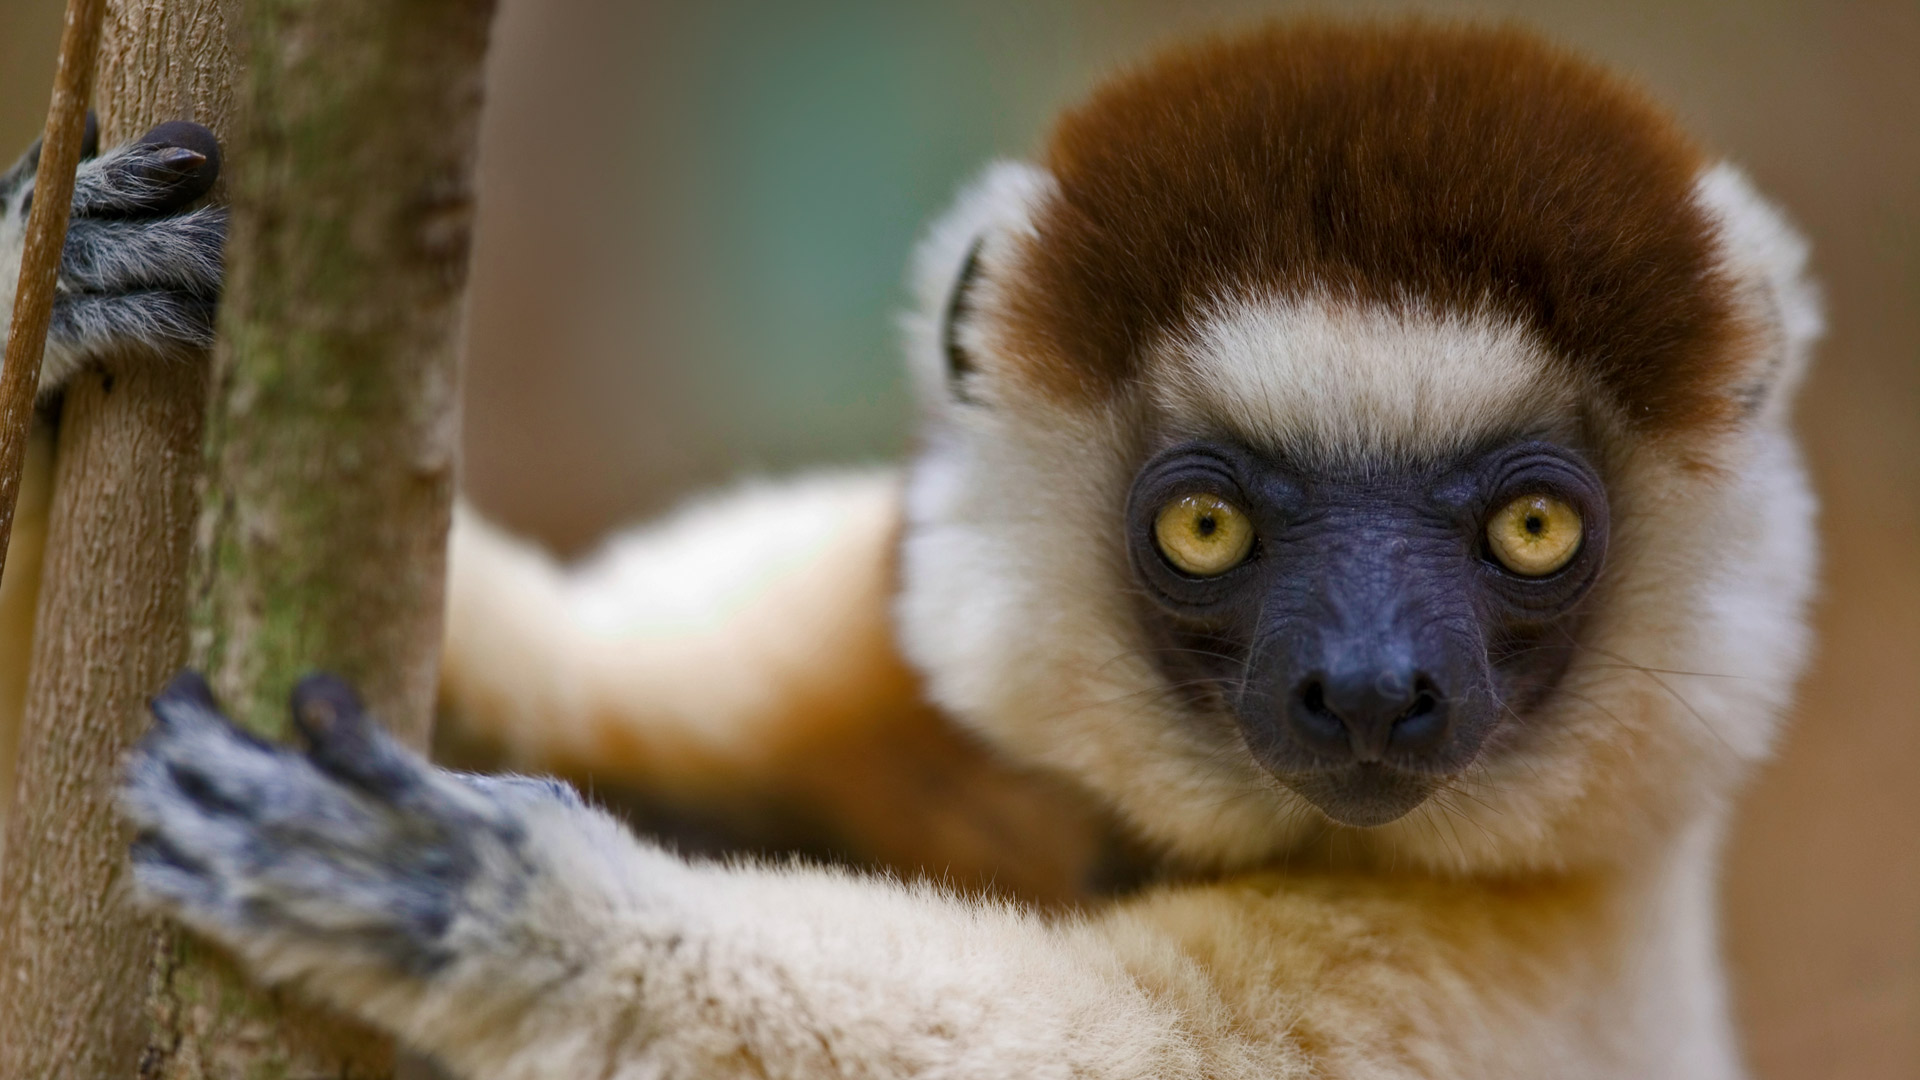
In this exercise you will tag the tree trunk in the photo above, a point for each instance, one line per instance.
(333, 429)
(322, 520)
(74, 956)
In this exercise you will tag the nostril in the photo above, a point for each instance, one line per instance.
(1423, 703)
(1314, 697)
(1366, 715)
(1423, 720)
(1316, 717)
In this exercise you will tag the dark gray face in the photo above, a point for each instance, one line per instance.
(1375, 633)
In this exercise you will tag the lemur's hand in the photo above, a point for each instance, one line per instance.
(512, 932)
(354, 861)
(139, 274)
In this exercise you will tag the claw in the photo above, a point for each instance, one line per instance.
(187, 705)
(184, 135)
(164, 170)
(179, 159)
(345, 742)
(189, 687)
(325, 707)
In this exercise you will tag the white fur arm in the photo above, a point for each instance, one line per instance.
(515, 932)
(710, 971)
(736, 662)
(688, 655)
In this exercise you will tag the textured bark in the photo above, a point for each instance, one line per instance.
(332, 433)
(333, 430)
(74, 956)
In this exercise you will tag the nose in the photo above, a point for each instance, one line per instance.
(1367, 712)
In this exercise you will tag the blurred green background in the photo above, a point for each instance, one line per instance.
(695, 218)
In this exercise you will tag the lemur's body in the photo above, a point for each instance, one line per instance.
(1230, 403)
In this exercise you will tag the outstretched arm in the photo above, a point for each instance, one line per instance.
(515, 932)
(690, 655)
(735, 667)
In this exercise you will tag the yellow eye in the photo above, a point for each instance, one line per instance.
(1203, 535)
(1534, 535)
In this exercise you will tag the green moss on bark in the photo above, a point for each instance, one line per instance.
(333, 423)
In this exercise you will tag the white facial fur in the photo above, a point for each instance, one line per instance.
(1343, 386)
(1018, 603)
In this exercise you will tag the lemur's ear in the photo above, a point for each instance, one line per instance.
(1766, 260)
(960, 305)
(954, 282)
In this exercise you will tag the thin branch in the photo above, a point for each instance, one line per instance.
(46, 237)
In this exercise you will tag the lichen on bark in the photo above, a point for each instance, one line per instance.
(332, 430)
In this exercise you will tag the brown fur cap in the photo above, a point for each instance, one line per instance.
(1459, 167)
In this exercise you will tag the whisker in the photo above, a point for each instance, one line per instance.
(1668, 687)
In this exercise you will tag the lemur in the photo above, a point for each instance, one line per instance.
(1356, 460)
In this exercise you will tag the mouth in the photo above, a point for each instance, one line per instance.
(1365, 794)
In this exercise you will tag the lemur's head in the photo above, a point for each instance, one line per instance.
(1378, 426)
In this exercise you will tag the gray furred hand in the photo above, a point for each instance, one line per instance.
(141, 269)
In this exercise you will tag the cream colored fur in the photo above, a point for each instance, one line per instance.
(1340, 386)
(613, 662)
(637, 964)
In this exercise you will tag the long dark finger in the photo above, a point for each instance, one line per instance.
(347, 744)
(164, 170)
(113, 255)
